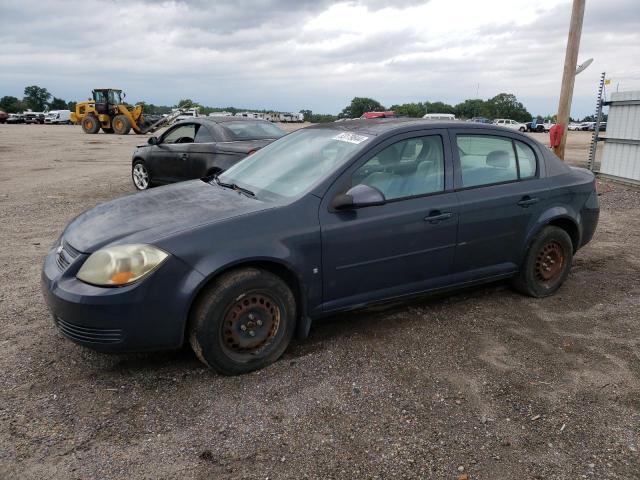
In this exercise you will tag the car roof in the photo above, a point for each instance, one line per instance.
(380, 126)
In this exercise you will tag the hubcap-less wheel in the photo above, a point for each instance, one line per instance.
(140, 176)
(250, 324)
(549, 262)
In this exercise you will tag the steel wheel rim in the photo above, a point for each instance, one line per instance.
(549, 262)
(140, 176)
(250, 325)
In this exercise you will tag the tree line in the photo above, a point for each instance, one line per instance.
(503, 105)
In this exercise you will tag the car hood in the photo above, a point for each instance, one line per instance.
(147, 216)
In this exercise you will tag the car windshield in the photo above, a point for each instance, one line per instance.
(253, 130)
(294, 164)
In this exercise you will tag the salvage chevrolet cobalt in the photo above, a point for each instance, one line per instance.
(326, 219)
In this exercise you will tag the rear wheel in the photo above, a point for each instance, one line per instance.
(140, 175)
(90, 124)
(523, 129)
(121, 125)
(547, 263)
(243, 322)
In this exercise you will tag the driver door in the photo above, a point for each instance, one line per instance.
(404, 246)
(170, 157)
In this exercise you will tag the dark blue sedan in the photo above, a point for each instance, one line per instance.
(326, 219)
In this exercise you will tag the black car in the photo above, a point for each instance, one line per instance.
(34, 117)
(326, 219)
(198, 148)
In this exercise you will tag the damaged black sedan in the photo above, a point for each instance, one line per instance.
(199, 147)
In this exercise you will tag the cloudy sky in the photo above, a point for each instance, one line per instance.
(316, 54)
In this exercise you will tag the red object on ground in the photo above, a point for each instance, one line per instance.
(555, 135)
(378, 115)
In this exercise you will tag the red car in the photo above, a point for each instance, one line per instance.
(3, 116)
(378, 115)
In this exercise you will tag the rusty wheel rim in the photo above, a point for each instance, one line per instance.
(250, 324)
(118, 124)
(549, 262)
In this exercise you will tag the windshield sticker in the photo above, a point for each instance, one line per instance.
(350, 137)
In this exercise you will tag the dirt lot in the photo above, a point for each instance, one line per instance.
(485, 382)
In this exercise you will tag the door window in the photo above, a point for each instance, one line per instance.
(181, 134)
(485, 160)
(405, 169)
(203, 135)
(526, 160)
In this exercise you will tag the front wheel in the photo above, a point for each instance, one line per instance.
(121, 125)
(140, 175)
(547, 263)
(90, 124)
(243, 322)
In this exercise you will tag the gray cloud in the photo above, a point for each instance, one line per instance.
(263, 53)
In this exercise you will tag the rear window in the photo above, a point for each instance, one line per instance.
(246, 130)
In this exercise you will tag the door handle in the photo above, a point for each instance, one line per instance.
(184, 156)
(436, 216)
(527, 201)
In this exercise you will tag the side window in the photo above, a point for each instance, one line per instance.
(526, 160)
(181, 134)
(405, 169)
(485, 160)
(203, 135)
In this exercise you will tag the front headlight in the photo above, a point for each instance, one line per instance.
(121, 265)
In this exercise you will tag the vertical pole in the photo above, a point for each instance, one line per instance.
(591, 163)
(569, 73)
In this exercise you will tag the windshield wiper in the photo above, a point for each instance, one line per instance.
(234, 186)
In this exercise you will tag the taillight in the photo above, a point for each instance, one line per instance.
(251, 152)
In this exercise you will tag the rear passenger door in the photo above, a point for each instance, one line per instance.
(405, 245)
(501, 193)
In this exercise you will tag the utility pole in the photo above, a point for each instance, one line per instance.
(569, 73)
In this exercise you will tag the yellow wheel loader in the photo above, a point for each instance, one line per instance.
(107, 111)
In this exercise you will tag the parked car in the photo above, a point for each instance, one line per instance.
(3, 116)
(586, 126)
(15, 118)
(326, 219)
(33, 117)
(603, 127)
(512, 124)
(480, 120)
(439, 116)
(58, 117)
(574, 126)
(199, 147)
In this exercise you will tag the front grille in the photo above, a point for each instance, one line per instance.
(66, 254)
(102, 336)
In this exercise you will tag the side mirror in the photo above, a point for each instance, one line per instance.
(358, 197)
(152, 141)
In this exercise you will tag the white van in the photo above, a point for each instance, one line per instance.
(58, 116)
(440, 116)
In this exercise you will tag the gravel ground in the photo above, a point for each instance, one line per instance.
(485, 382)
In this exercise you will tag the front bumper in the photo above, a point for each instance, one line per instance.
(148, 315)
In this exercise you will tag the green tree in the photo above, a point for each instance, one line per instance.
(36, 98)
(11, 104)
(71, 106)
(438, 107)
(57, 104)
(506, 105)
(470, 108)
(359, 105)
(414, 110)
(188, 103)
(307, 115)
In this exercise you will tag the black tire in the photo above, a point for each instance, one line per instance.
(107, 130)
(141, 176)
(121, 125)
(547, 263)
(244, 321)
(90, 124)
(523, 129)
